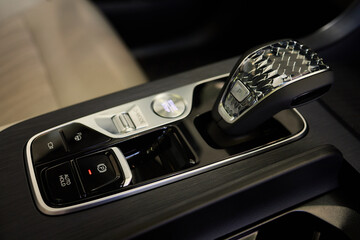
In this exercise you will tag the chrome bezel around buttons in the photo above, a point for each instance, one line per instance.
(153, 121)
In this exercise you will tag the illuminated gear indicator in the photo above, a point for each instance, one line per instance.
(168, 105)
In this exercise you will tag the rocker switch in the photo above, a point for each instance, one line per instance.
(131, 120)
(125, 123)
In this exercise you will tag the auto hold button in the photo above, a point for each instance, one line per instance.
(61, 183)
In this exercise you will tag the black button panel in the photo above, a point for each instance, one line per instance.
(48, 146)
(60, 183)
(84, 168)
(79, 137)
(67, 181)
(67, 173)
(98, 170)
(63, 141)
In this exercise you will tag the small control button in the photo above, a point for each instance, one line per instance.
(129, 121)
(47, 147)
(137, 117)
(168, 105)
(98, 170)
(239, 91)
(125, 124)
(79, 137)
(61, 184)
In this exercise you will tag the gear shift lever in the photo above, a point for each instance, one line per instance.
(266, 80)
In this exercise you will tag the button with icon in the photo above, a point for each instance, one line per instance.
(71, 138)
(168, 105)
(98, 170)
(101, 168)
(47, 147)
(61, 184)
(79, 137)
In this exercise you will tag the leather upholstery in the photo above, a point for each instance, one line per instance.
(57, 53)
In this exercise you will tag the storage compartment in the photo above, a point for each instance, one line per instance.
(157, 154)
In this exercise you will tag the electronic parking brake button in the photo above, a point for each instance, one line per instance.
(61, 184)
(98, 170)
(79, 137)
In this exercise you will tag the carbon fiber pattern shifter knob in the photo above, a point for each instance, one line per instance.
(268, 79)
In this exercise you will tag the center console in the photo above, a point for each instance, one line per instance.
(156, 161)
(173, 135)
(142, 145)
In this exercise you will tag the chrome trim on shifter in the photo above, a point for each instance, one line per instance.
(124, 165)
(265, 71)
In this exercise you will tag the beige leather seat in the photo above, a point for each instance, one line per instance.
(55, 53)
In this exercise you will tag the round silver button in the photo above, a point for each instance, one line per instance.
(168, 105)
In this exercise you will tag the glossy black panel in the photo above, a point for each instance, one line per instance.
(97, 171)
(48, 146)
(79, 137)
(61, 184)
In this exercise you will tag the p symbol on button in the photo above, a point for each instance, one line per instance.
(101, 168)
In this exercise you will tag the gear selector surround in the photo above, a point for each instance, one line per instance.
(267, 80)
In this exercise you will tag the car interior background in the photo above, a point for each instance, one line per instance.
(109, 125)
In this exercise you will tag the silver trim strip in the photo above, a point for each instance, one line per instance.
(124, 165)
(188, 89)
(153, 120)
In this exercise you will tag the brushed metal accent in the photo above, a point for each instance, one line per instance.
(90, 122)
(124, 165)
